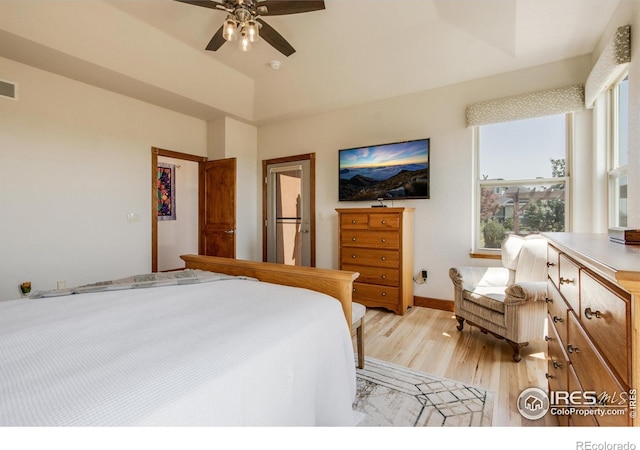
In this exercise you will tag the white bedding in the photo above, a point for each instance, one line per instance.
(226, 353)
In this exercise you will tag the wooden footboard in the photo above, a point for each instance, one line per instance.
(336, 283)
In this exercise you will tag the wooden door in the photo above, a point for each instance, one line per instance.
(218, 208)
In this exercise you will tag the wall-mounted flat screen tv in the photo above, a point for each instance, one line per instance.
(395, 171)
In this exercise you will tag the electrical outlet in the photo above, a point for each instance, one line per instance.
(421, 277)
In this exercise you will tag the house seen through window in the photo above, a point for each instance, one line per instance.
(521, 179)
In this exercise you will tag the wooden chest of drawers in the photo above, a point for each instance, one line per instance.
(378, 243)
(592, 285)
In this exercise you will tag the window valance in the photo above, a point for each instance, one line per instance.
(610, 65)
(526, 106)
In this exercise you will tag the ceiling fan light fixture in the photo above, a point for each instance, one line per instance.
(230, 29)
(244, 42)
(253, 32)
(244, 22)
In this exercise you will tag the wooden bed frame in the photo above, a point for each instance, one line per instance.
(336, 283)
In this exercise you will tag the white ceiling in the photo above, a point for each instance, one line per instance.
(352, 52)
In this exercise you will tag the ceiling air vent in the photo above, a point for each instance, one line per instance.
(8, 90)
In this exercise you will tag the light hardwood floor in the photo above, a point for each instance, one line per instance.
(427, 340)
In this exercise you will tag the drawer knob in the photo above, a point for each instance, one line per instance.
(353, 239)
(383, 240)
(566, 280)
(353, 221)
(550, 264)
(384, 294)
(384, 222)
(548, 300)
(384, 277)
(384, 258)
(572, 349)
(557, 365)
(591, 314)
(353, 256)
(557, 319)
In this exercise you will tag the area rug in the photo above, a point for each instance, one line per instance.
(392, 395)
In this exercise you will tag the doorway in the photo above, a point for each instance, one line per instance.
(289, 210)
(159, 240)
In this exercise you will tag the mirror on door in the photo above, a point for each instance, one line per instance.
(288, 220)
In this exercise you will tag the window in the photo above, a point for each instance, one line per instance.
(521, 178)
(618, 153)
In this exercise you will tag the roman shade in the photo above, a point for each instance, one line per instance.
(526, 106)
(613, 61)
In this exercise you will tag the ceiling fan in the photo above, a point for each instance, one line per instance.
(244, 23)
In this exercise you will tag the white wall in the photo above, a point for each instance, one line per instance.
(74, 161)
(627, 13)
(180, 236)
(131, 48)
(443, 223)
(242, 143)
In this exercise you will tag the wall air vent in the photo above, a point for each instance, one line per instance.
(8, 90)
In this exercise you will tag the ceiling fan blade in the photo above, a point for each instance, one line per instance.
(216, 41)
(204, 3)
(275, 39)
(282, 7)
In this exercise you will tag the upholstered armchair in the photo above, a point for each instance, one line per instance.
(507, 302)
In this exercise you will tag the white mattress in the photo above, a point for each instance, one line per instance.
(226, 353)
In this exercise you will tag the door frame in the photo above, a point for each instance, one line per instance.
(311, 157)
(155, 152)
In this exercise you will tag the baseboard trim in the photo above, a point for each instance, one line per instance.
(433, 303)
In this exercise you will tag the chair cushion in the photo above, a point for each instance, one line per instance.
(510, 250)
(357, 312)
(532, 262)
(489, 297)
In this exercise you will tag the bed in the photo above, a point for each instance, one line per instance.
(223, 343)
